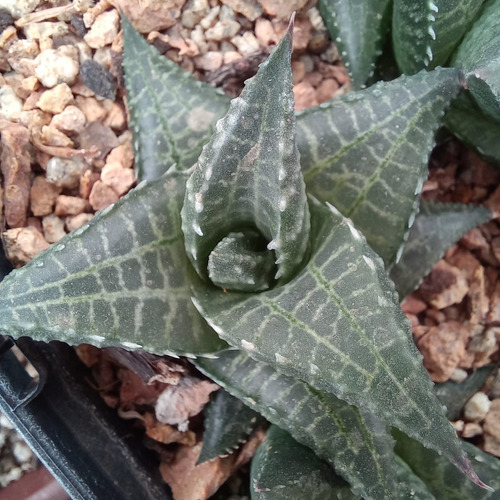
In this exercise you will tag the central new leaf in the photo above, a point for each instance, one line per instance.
(248, 179)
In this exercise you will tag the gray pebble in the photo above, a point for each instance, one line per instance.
(5, 19)
(97, 78)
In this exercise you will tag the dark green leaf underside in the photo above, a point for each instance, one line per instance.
(228, 422)
(425, 33)
(172, 115)
(470, 125)
(367, 152)
(436, 228)
(284, 469)
(358, 448)
(357, 28)
(122, 279)
(338, 327)
(442, 479)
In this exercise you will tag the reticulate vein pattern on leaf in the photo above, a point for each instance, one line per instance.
(357, 28)
(122, 280)
(367, 152)
(337, 432)
(338, 326)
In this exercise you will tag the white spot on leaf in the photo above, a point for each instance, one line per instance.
(400, 253)
(199, 119)
(131, 345)
(198, 204)
(197, 229)
(355, 233)
(369, 262)
(280, 359)
(247, 345)
(314, 368)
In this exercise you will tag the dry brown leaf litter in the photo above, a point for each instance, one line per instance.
(67, 153)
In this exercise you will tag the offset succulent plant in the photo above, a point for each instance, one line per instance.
(266, 262)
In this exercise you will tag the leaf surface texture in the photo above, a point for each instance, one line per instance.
(357, 446)
(122, 279)
(479, 56)
(283, 469)
(248, 175)
(367, 152)
(357, 28)
(228, 422)
(425, 32)
(171, 113)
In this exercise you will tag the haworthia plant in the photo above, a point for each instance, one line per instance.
(358, 28)
(436, 228)
(321, 312)
(425, 32)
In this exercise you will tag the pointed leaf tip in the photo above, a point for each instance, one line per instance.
(251, 168)
(465, 465)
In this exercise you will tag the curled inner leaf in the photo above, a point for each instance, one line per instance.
(237, 263)
(248, 181)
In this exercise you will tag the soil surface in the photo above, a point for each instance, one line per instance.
(66, 153)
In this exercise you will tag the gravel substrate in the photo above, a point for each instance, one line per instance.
(67, 153)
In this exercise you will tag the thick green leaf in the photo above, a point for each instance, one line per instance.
(120, 280)
(479, 56)
(436, 228)
(249, 175)
(473, 127)
(425, 32)
(283, 469)
(338, 326)
(228, 422)
(454, 396)
(357, 446)
(172, 114)
(442, 479)
(358, 28)
(366, 152)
